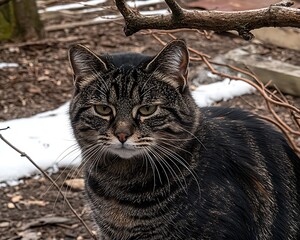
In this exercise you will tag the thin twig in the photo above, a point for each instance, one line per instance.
(259, 86)
(23, 154)
(295, 119)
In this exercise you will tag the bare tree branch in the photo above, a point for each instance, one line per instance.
(177, 11)
(277, 15)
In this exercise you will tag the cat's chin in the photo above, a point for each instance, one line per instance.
(124, 152)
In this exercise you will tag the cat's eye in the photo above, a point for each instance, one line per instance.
(103, 110)
(147, 110)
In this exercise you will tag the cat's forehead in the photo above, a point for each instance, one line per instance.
(126, 88)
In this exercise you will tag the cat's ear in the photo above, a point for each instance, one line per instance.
(171, 64)
(85, 64)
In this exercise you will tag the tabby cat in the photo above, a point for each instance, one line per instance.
(159, 167)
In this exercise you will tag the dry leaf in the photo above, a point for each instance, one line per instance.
(4, 224)
(43, 78)
(16, 198)
(75, 184)
(34, 89)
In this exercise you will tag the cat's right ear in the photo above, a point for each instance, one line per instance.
(85, 64)
(171, 64)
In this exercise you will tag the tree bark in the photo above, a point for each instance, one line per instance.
(19, 21)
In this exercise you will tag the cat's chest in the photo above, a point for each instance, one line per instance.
(113, 213)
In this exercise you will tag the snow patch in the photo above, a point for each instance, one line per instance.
(47, 138)
(206, 95)
(80, 5)
(72, 6)
(133, 4)
(8, 65)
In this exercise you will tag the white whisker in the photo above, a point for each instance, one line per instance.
(175, 156)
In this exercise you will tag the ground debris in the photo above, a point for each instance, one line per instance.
(52, 220)
(29, 235)
(4, 224)
(75, 184)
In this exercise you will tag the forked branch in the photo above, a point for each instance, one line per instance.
(276, 15)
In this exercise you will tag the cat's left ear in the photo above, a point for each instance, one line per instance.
(171, 64)
(85, 64)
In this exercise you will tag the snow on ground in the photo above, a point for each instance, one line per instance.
(47, 137)
(81, 5)
(206, 95)
(71, 6)
(8, 65)
(109, 18)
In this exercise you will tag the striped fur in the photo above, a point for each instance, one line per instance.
(182, 172)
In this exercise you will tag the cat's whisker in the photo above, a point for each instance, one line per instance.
(101, 156)
(153, 167)
(169, 167)
(89, 157)
(69, 163)
(166, 142)
(145, 161)
(181, 161)
(160, 161)
(162, 151)
(61, 156)
(194, 136)
(84, 151)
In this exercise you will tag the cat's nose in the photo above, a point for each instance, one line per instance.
(123, 131)
(122, 137)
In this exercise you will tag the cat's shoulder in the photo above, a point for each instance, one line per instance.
(225, 117)
(223, 113)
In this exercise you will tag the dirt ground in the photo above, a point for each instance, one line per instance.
(43, 81)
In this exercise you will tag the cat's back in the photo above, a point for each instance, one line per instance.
(237, 123)
(252, 163)
(127, 60)
(240, 132)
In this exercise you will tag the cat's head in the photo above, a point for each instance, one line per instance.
(132, 105)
